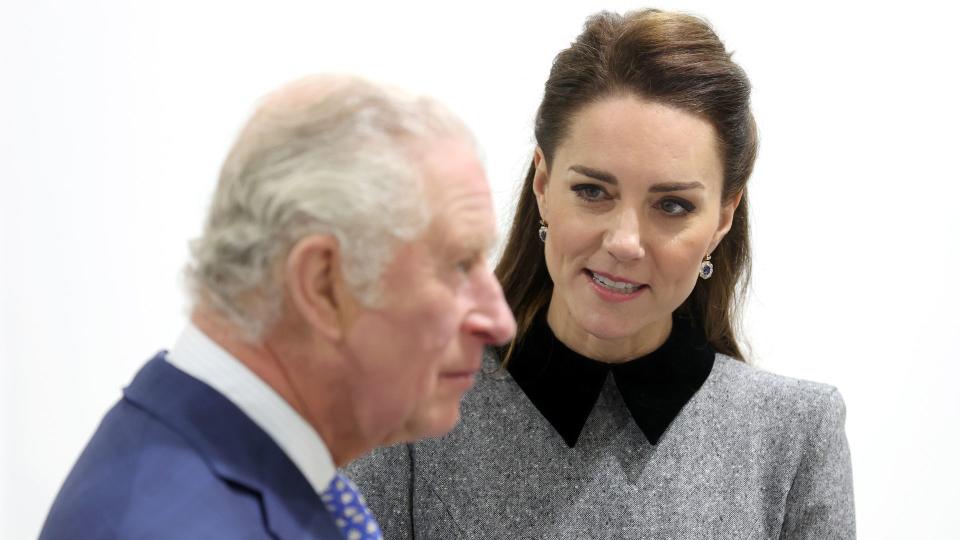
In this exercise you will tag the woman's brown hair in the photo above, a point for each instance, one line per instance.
(669, 58)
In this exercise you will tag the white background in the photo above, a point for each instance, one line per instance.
(115, 116)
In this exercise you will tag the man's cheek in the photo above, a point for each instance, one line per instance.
(440, 325)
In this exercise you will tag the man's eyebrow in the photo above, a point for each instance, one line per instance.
(481, 245)
(675, 186)
(596, 174)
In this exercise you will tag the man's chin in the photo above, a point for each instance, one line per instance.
(435, 424)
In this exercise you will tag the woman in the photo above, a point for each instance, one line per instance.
(625, 409)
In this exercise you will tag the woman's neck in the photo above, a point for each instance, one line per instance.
(610, 350)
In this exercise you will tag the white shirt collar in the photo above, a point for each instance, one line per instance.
(200, 357)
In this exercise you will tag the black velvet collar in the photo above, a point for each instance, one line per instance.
(565, 385)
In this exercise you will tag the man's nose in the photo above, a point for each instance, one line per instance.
(492, 320)
(623, 240)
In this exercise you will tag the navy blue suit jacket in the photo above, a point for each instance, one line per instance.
(175, 459)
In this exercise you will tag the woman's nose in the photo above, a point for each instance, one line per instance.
(623, 239)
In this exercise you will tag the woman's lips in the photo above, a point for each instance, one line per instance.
(613, 288)
(613, 277)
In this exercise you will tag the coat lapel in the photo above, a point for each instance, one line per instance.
(235, 447)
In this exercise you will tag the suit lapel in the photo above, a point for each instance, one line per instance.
(236, 449)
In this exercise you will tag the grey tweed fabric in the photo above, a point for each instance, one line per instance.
(752, 455)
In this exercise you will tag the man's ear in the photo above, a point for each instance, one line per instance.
(727, 211)
(540, 179)
(314, 284)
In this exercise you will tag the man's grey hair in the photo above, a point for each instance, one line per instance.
(330, 155)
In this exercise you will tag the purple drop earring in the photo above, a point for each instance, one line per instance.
(706, 268)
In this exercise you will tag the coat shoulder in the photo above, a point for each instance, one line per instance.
(749, 389)
(138, 477)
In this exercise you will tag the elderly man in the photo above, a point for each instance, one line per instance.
(342, 302)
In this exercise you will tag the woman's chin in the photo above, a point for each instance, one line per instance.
(607, 323)
(609, 328)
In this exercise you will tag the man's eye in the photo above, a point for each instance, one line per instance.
(590, 192)
(466, 265)
(676, 207)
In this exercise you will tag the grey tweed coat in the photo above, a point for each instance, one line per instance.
(752, 455)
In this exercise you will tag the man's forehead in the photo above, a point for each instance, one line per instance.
(466, 222)
(440, 153)
(454, 179)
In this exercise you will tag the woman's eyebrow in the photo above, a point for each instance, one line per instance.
(663, 187)
(675, 186)
(596, 174)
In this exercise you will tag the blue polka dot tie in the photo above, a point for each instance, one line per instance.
(349, 510)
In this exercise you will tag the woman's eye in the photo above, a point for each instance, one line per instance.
(589, 192)
(676, 207)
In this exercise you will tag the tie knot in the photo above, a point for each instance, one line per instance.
(349, 510)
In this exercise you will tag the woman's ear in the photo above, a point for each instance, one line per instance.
(541, 178)
(727, 211)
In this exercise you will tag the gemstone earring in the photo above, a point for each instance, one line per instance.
(542, 232)
(706, 268)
